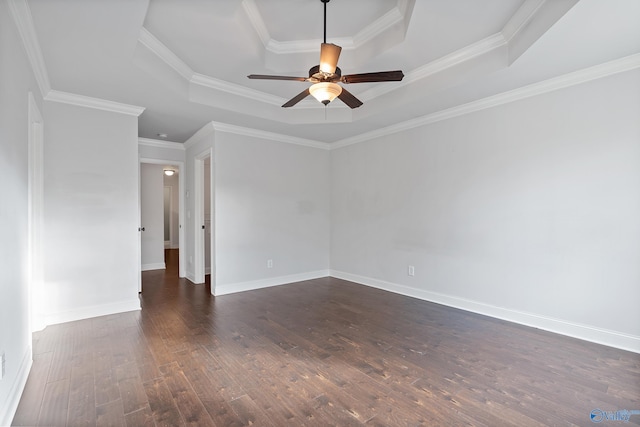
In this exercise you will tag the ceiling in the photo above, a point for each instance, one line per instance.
(186, 62)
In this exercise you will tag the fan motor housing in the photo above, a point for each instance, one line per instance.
(316, 76)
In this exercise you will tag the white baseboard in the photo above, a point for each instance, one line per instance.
(207, 270)
(92, 311)
(167, 244)
(232, 288)
(585, 332)
(9, 407)
(191, 277)
(155, 266)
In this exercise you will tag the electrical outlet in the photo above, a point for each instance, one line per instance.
(411, 271)
(2, 371)
(269, 263)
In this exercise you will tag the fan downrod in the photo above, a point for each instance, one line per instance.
(325, 18)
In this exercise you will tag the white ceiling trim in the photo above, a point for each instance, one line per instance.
(212, 127)
(383, 24)
(22, 17)
(256, 133)
(172, 60)
(234, 89)
(511, 32)
(571, 79)
(96, 103)
(400, 14)
(204, 131)
(159, 143)
(163, 52)
(521, 18)
(444, 63)
(256, 20)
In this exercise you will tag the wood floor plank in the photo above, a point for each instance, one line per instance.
(33, 395)
(132, 390)
(191, 408)
(140, 418)
(55, 403)
(82, 401)
(164, 408)
(317, 353)
(110, 414)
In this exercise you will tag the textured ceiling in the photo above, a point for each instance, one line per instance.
(186, 62)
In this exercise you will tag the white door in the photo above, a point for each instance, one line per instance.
(151, 217)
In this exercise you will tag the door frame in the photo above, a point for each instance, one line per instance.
(171, 206)
(199, 252)
(181, 235)
(35, 209)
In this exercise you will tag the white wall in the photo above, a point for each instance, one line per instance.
(15, 335)
(529, 211)
(152, 216)
(91, 212)
(272, 202)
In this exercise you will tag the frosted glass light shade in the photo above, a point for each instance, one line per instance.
(169, 172)
(329, 54)
(325, 92)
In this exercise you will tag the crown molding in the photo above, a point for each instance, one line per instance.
(397, 15)
(272, 136)
(382, 24)
(621, 65)
(158, 143)
(163, 52)
(521, 18)
(234, 89)
(22, 17)
(172, 60)
(96, 103)
(255, 18)
(212, 127)
(203, 132)
(482, 47)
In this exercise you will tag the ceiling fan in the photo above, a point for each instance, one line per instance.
(326, 75)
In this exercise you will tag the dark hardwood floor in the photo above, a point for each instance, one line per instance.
(318, 353)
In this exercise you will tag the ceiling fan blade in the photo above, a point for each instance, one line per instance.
(269, 77)
(329, 54)
(348, 98)
(299, 97)
(380, 76)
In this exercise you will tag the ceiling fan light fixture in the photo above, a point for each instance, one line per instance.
(325, 92)
(329, 54)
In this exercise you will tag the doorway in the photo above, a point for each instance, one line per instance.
(177, 183)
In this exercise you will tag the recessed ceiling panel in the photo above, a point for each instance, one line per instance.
(293, 20)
